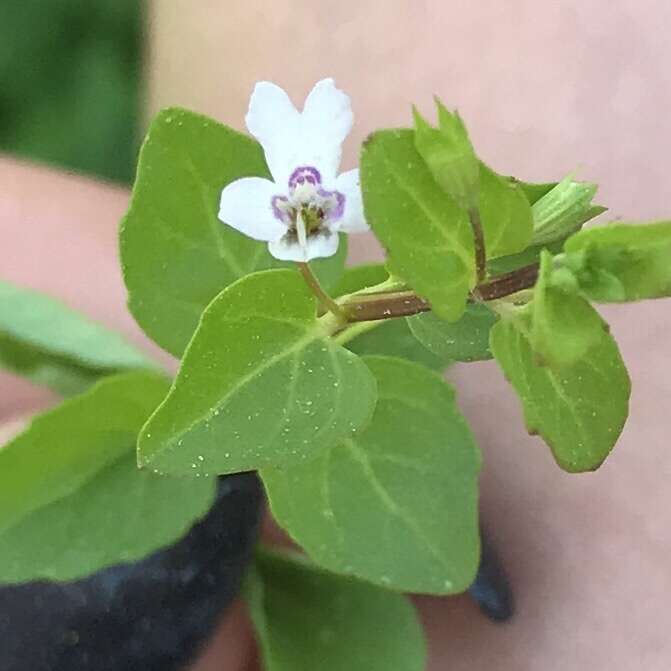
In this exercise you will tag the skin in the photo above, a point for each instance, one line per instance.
(587, 555)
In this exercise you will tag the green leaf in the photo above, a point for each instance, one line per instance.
(176, 254)
(505, 215)
(465, 340)
(427, 236)
(506, 264)
(564, 326)
(622, 262)
(307, 619)
(578, 410)
(449, 155)
(563, 210)
(396, 504)
(391, 337)
(260, 384)
(50, 344)
(360, 277)
(72, 500)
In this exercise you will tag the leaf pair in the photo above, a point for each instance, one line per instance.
(426, 233)
(367, 462)
(557, 353)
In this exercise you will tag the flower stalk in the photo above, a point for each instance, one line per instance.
(327, 303)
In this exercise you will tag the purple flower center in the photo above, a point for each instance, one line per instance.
(317, 206)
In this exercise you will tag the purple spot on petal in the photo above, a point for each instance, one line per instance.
(339, 209)
(280, 212)
(305, 174)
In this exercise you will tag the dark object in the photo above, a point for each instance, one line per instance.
(148, 616)
(491, 589)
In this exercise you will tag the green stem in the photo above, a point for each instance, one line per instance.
(353, 330)
(328, 304)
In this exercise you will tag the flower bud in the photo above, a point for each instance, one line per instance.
(563, 210)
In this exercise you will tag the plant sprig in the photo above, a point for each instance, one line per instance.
(322, 379)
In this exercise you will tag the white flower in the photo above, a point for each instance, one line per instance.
(302, 210)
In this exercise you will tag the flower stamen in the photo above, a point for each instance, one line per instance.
(300, 230)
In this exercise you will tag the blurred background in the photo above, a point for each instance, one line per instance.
(69, 83)
(545, 88)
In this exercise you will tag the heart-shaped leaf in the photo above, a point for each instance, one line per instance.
(261, 384)
(395, 504)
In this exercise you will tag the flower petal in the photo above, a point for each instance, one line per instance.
(312, 138)
(274, 121)
(318, 246)
(352, 220)
(246, 205)
(326, 121)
